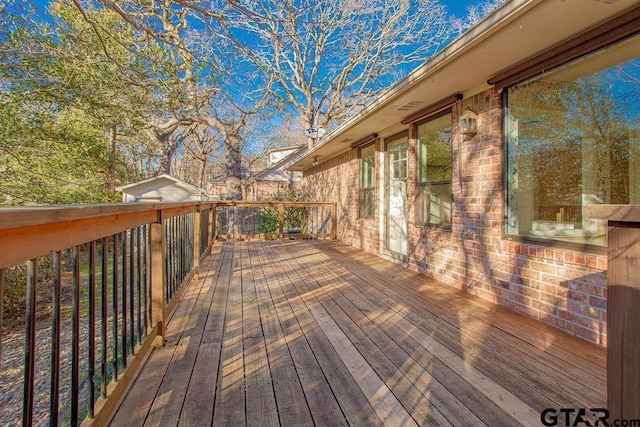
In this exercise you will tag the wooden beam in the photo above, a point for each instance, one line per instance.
(613, 31)
(364, 141)
(15, 217)
(20, 244)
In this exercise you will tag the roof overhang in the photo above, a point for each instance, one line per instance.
(518, 30)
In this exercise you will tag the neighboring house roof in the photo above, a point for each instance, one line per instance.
(274, 155)
(278, 171)
(274, 172)
(128, 188)
(515, 32)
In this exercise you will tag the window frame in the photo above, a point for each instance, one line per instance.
(509, 197)
(422, 188)
(367, 211)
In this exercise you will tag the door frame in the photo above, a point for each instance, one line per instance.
(386, 184)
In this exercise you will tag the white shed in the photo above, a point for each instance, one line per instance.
(160, 188)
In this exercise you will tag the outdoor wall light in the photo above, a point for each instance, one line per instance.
(315, 161)
(468, 123)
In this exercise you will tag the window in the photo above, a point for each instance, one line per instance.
(573, 139)
(433, 174)
(367, 181)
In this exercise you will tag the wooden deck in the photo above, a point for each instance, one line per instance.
(319, 333)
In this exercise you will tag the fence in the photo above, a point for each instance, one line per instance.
(90, 288)
(274, 220)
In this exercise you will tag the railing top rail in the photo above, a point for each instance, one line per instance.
(285, 203)
(15, 217)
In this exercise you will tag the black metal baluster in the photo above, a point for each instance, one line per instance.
(261, 220)
(179, 250)
(145, 277)
(188, 250)
(180, 233)
(75, 337)
(183, 248)
(55, 339)
(132, 288)
(176, 254)
(170, 260)
(92, 326)
(105, 326)
(124, 299)
(187, 259)
(30, 344)
(114, 305)
(138, 283)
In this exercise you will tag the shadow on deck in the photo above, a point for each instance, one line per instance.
(317, 332)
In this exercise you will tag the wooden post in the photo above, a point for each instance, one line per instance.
(623, 316)
(334, 221)
(212, 237)
(281, 221)
(623, 303)
(158, 249)
(214, 222)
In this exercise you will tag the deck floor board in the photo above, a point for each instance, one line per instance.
(320, 333)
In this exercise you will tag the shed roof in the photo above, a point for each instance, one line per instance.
(166, 177)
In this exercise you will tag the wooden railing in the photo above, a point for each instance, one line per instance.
(274, 220)
(88, 290)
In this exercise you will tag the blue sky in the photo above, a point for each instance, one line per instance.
(458, 7)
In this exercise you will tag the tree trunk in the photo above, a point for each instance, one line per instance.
(167, 159)
(309, 120)
(203, 171)
(233, 166)
(111, 185)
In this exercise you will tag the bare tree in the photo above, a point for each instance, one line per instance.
(475, 14)
(328, 58)
(208, 76)
(200, 148)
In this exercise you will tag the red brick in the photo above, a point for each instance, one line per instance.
(539, 281)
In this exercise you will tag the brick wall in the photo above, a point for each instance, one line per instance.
(561, 287)
(338, 180)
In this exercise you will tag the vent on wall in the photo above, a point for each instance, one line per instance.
(410, 105)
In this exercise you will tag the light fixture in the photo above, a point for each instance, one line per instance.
(468, 123)
(315, 161)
